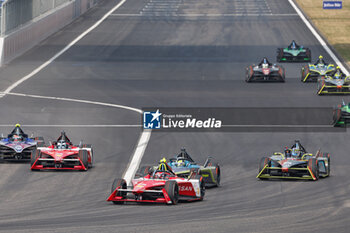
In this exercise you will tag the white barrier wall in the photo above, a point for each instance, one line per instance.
(26, 37)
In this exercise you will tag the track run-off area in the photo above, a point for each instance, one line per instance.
(92, 78)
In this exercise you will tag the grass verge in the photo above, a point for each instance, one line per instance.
(333, 24)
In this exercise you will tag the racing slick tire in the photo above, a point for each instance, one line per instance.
(304, 71)
(283, 76)
(119, 183)
(83, 155)
(262, 164)
(337, 116)
(313, 166)
(172, 189)
(320, 84)
(279, 55)
(249, 74)
(308, 53)
(34, 156)
(201, 186)
(217, 174)
(90, 164)
(328, 156)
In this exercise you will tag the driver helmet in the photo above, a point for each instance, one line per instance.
(320, 61)
(180, 163)
(295, 153)
(337, 72)
(265, 65)
(62, 144)
(293, 45)
(159, 175)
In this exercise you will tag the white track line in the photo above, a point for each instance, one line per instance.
(75, 100)
(145, 136)
(204, 15)
(138, 154)
(48, 62)
(140, 147)
(73, 126)
(319, 38)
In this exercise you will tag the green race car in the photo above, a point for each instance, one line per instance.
(293, 53)
(341, 115)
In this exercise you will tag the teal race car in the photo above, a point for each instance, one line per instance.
(184, 166)
(312, 72)
(341, 115)
(294, 53)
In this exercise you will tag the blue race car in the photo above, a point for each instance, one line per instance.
(183, 165)
(17, 146)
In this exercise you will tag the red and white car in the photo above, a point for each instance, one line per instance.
(159, 187)
(62, 155)
(265, 72)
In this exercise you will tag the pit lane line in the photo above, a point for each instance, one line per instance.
(319, 38)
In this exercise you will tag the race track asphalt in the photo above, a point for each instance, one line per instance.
(171, 53)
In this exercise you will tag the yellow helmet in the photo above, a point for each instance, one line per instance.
(163, 160)
(338, 67)
(320, 57)
(17, 125)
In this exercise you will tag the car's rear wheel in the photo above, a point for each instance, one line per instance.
(91, 154)
(83, 155)
(201, 186)
(337, 116)
(34, 156)
(308, 54)
(304, 71)
(313, 166)
(172, 189)
(249, 74)
(279, 54)
(217, 174)
(320, 84)
(328, 156)
(283, 74)
(122, 184)
(263, 162)
(92, 158)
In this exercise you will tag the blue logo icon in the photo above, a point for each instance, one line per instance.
(151, 120)
(332, 4)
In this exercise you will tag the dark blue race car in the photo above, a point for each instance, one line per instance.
(17, 146)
